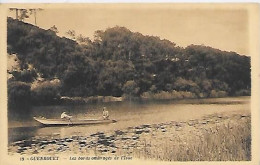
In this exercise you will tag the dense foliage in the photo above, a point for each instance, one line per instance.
(119, 62)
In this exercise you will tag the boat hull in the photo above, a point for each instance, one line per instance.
(60, 122)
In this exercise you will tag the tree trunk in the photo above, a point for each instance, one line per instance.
(16, 13)
(35, 17)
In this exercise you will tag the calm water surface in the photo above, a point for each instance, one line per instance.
(22, 125)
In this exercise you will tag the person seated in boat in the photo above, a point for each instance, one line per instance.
(105, 113)
(65, 116)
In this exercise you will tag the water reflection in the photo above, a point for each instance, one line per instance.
(21, 133)
(127, 114)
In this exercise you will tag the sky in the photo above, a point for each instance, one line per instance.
(224, 28)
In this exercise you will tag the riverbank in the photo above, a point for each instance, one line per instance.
(177, 96)
(86, 100)
(224, 136)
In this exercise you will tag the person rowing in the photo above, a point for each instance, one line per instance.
(105, 113)
(65, 116)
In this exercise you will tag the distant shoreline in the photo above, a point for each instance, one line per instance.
(92, 99)
(108, 99)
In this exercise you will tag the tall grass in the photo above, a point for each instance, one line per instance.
(162, 95)
(230, 141)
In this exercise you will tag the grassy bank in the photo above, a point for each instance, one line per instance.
(227, 141)
(173, 95)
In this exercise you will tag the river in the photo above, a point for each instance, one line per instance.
(21, 125)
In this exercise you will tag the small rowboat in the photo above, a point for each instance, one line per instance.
(57, 122)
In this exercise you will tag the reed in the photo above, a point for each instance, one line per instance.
(230, 141)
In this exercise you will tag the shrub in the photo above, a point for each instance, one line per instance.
(25, 75)
(215, 93)
(243, 92)
(130, 88)
(164, 95)
(46, 92)
(18, 93)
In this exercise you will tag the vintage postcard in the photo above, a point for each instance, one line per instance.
(129, 83)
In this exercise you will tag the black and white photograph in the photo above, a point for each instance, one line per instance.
(129, 82)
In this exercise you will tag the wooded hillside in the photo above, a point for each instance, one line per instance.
(119, 62)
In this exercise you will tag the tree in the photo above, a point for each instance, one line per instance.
(185, 85)
(47, 92)
(130, 88)
(16, 12)
(83, 40)
(71, 34)
(21, 13)
(24, 75)
(34, 12)
(80, 78)
(18, 93)
(54, 29)
(119, 59)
